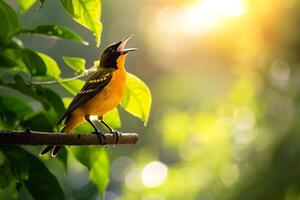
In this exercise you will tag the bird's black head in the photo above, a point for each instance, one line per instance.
(113, 52)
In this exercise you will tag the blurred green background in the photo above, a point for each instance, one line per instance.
(224, 77)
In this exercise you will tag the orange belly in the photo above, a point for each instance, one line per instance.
(107, 99)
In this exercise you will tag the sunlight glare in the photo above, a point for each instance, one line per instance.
(208, 13)
(228, 8)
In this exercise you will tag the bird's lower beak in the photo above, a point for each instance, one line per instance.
(122, 45)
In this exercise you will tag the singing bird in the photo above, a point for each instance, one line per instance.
(101, 92)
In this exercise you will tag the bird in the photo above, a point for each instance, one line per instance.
(102, 92)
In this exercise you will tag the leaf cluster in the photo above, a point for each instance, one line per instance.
(27, 100)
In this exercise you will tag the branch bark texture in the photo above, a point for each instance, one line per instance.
(33, 138)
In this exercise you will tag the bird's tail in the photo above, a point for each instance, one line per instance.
(55, 148)
(70, 123)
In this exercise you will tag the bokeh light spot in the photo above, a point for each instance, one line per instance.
(244, 118)
(153, 197)
(132, 179)
(154, 174)
(120, 167)
(229, 174)
(280, 72)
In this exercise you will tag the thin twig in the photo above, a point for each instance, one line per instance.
(33, 138)
(87, 72)
(57, 81)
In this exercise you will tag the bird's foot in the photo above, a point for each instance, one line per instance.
(100, 135)
(116, 135)
(112, 131)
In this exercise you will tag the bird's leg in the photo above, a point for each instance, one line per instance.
(112, 131)
(87, 118)
(99, 133)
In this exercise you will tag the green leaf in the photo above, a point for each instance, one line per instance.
(86, 13)
(78, 64)
(33, 62)
(7, 62)
(25, 4)
(96, 160)
(113, 118)
(52, 98)
(40, 122)
(137, 98)
(40, 64)
(73, 86)
(42, 3)
(99, 172)
(51, 66)
(96, 64)
(8, 180)
(19, 161)
(53, 108)
(55, 31)
(26, 90)
(85, 154)
(14, 107)
(18, 106)
(67, 101)
(11, 57)
(41, 182)
(63, 157)
(9, 22)
(19, 79)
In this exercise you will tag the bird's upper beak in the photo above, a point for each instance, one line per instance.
(122, 45)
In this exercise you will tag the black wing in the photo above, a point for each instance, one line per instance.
(95, 84)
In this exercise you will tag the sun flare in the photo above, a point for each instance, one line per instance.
(201, 16)
(208, 13)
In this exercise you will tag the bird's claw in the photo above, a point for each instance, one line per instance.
(116, 135)
(100, 135)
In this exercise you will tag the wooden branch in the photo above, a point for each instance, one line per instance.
(29, 137)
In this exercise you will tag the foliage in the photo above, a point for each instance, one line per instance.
(56, 32)
(137, 99)
(96, 160)
(27, 101)
(32, 174)
(78, 64)
(87, 13)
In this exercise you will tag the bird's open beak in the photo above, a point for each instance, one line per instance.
(122, 45)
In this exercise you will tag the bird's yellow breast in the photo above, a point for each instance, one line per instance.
(110, 96)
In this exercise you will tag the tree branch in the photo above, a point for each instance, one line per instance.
(29, 137)
(87, 72)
